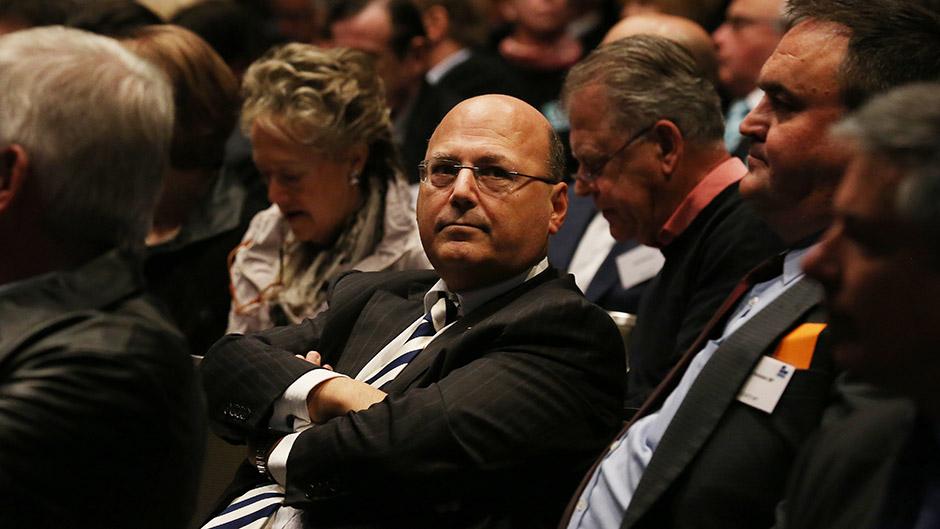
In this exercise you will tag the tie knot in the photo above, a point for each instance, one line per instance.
(444, 312)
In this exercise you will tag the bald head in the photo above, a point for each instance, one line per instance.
(486, 224)
(678, 29)
(513, 118)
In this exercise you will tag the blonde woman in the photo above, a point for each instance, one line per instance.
(321, 137)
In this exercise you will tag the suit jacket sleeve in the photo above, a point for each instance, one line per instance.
(533, 387)
(524, 390)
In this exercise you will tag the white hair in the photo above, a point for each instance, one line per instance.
(95, 121)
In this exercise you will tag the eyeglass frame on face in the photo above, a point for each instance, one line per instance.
(590, 177)
(511, 180)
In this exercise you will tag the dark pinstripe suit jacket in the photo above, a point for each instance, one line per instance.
(490, 426)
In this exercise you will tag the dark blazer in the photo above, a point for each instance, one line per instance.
(101, 421)
(605, 288)
(490, 426)
(841, 480)
(722, 463)
(482, 73)
(703, 264)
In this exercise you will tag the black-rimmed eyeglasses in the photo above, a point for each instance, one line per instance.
(491, 178)
(590, 176)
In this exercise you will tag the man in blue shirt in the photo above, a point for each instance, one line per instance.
(717, 451)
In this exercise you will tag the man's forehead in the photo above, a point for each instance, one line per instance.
(493, 125)
(806, 59)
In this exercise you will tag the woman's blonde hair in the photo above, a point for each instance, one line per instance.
(329, 99)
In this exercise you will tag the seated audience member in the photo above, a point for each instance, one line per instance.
(747, 37)
(101, 422)
(483, 422)
(878, 263)
(614, 273)
(203, 211)
(710, 448)
(114, 18)
(539, 48)
(456, 37)
(320, 130)
(392, 32)
(646, 128)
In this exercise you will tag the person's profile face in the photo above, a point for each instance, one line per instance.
(624, 176)
(881, 279)
(370, 31)
(744, 41)
(474, 235)
(794, 164)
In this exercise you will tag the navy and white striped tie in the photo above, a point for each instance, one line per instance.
(442, 314)
(251, 510)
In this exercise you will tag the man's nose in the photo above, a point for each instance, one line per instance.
(464, 193)
(756, 122)
(277, 194)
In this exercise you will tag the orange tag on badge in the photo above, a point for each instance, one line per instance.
(797, 347)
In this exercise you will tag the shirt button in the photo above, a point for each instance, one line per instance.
(581, 505)
(614, 445)
(753, 301)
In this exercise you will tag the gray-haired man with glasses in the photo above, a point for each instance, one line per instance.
(646, 129)
(475, 395)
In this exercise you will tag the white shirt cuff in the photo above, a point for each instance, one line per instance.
(277, 459)
(290, 409)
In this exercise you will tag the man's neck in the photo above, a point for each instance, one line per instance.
(472, 297)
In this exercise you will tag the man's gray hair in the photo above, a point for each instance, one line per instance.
(95, 121)
(902, 127)
(648, 78)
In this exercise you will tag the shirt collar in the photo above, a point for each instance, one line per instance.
(793, 264)
(471, 299)
(440, 69)
(716, 181)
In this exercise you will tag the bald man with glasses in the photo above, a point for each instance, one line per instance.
(646, 129)
(452, 393)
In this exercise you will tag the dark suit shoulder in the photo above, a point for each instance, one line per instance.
(703, 264)
(841, 477)
(483, 73)
(94, 377)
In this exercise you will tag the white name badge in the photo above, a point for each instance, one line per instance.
(766, 384)
(638, 265)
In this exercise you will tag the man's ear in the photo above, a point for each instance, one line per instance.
(559, 207)
(436, 23)
(670, 143)
(14, 166)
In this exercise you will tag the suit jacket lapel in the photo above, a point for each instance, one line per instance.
(713, 391)
(383, 318)
(456, 332)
